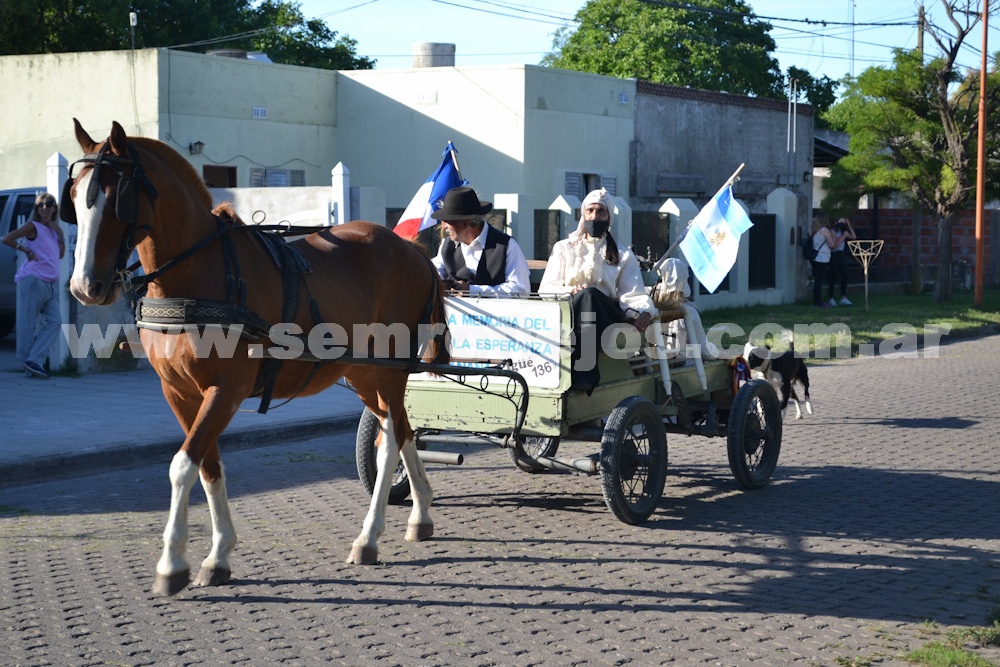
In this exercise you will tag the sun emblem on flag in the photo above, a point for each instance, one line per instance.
(717, 238)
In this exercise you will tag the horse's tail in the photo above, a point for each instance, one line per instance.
(436, 351)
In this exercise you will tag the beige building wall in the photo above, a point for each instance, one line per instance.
(173, 96)
(576, 122)
(213, 100)
(518, 129)
(43, 93)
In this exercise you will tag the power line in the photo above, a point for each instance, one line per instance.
(751, 15)
(556, 20)
(527, 9)
(824, 29)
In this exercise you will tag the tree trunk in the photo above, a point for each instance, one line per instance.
(942, 287)
(917, 271)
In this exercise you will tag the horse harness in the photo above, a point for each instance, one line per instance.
(173, 315)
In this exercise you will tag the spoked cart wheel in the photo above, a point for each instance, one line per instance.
(369, 428)
(754, 434)
(534, 446)
(633, 460)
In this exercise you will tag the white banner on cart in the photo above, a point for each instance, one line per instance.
(522, 330)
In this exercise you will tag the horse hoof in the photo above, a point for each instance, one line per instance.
(172, 584)
(418, 532)
(212, 576)
(363, 556)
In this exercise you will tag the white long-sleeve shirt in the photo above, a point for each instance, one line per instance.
(517, 280)
(622, 281)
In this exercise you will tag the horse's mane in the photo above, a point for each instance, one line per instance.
(420, 246)
(184, 170)
(226, 210)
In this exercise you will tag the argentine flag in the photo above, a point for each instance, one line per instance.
(713, 238)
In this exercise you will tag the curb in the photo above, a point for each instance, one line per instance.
(76, 464)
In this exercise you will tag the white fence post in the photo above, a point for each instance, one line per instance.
(520, 219)
(341, 194)
(569, 207)
(56, 173)
(680, 212)
(622, 227)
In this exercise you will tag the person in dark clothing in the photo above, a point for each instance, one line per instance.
(822, 240)
(474, 257)
(842, 233)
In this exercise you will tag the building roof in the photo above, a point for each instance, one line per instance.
(825, 153)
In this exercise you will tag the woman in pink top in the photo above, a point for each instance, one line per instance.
(37, 283)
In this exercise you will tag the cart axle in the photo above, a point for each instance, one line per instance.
(446, 458)
(586, 465)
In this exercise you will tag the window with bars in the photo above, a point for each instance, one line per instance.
(277, 178)
(578, 184)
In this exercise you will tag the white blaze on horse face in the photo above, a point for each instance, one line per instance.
(88, 224)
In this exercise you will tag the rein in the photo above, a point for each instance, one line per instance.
(173, 313)
(126, 276)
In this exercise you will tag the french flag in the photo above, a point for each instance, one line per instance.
(417, 216)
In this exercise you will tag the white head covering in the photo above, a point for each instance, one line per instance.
(597, 197)
(675, 276)
(586, 264)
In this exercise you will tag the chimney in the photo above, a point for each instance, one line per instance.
(433, 54)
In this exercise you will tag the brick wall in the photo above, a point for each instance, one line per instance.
(895, 227)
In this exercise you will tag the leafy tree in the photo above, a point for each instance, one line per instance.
(914, 129)
(294, 40)
(663, 42)
(20, 26)
(276, 27)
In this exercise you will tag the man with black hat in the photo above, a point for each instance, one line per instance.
(475, 257)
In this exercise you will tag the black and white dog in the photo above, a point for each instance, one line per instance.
(781, 370)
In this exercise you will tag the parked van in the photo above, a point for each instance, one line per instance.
(15, 208)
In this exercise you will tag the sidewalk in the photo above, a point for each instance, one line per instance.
(67, 426)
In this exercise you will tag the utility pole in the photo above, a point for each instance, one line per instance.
(917, 272)
(920, 32)
(981, 166)
(853, 5)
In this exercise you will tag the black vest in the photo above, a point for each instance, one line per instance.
(492, 269)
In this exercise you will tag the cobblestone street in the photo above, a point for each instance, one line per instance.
(880, 516)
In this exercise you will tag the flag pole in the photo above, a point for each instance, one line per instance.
(732, 181)
(454, 159)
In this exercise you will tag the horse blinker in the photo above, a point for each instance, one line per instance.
(125, 200)
(66, 210)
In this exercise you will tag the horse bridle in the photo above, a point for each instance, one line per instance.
(130, 173)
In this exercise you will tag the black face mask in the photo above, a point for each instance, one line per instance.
(596, 228)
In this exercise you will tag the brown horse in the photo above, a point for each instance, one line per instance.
(138, 192)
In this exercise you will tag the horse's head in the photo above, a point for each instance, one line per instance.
(105, 201)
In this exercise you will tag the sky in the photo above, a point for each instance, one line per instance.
(503, 32)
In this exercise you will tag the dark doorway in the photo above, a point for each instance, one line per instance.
(762, 254)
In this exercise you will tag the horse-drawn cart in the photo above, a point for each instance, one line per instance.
(380, 283)
(643, 395)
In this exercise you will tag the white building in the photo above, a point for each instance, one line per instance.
(518, 128)
(529, 138)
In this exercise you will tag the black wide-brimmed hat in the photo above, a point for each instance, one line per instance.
(462, 204)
